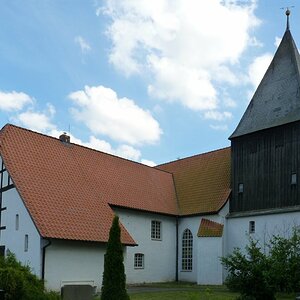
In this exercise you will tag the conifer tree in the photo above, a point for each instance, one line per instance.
(114, 279)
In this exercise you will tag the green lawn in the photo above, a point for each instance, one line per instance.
(194, 295)
(189, 291)
(184, 295)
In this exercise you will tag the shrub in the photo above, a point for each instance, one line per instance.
(260, 275)
(285, 258)
(113, 285)
(19, 283)
(249, 274)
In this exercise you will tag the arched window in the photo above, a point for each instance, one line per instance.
(187, 251)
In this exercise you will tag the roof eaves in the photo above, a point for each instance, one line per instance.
(113, 205)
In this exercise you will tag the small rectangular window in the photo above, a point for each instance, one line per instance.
(252, 227)
(241, 188)
(294, 178)
(4, 179)
(139, 261)
(17, 222)
(9, 180)
(155, 230)
(26, 243)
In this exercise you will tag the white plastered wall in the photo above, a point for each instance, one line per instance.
(210, 250)
(210, 269)
(159, 255)
(207, 268)
(266, 226)
(73, 262)
(14, 240)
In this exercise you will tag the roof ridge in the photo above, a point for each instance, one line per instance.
(192, 156)
(83, 146)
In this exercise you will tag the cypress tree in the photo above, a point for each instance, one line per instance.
(114, 279)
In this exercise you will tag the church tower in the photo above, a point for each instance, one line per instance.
(266, 143)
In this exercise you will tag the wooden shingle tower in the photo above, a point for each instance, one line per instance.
(266, 143)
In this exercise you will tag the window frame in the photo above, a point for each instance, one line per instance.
(240, 188)
(139, 261)
(294, 178)
(17, 222)
(187, 251)
(156, 232)
(26, 243)
(251, 227)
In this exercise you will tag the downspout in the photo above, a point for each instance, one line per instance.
(44, 258)
(177, 226)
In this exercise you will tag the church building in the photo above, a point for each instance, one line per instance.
(58, 199)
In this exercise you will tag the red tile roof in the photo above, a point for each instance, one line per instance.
(202, 181)
(68, 189)
(210, 228)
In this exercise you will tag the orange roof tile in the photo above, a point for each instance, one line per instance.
(202, 181)
(68, 189)
(210, 228)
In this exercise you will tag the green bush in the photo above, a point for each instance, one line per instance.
(249, 273)
(257, 275)
(285, 257)
(19, 283)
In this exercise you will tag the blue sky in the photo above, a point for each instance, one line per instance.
(150, 81)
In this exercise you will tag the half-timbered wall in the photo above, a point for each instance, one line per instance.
(18, 232)
(266, 169)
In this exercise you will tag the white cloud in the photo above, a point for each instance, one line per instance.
(258, 68)
(10, 101)
(277, 41)
(217, 116)
(174, 82)
(124, 151)
(255, 42)
(95, 143)
(51, 109)
(219, 127)
(84, 46)
(228, 102)
(149, 163)
(181, 45)
(37, 121)
(129, 152)
(100, 109)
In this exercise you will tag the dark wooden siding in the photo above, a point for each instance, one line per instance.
(264, 162)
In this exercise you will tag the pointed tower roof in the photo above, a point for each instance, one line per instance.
(277, 98)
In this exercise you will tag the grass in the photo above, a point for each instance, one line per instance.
(187, 291)
(184, 295)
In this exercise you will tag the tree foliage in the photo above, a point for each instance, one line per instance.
(19, 283)
(285, 258)
(114, 279)
(259, 275)
(248, 273)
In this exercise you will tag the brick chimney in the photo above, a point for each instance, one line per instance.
(64, 138)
